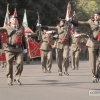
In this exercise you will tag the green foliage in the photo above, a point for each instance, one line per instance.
(85, 10)
(50, 10)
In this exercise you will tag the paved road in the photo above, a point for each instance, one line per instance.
(37, 85)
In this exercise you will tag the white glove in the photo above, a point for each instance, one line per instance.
(56, 36)
(77, 35)
(68, 19)
(38, 24)
(87, 35)
(49, 32)
(26, 34)
(25, 51)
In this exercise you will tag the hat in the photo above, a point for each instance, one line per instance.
(12, 16)
(97, 12)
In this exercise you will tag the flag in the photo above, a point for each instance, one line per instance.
(7, 20)
(68, 11)
(74, 15)
(73, 18)
(25, 24)
(15, 14)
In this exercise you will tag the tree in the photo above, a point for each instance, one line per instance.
(50, 10)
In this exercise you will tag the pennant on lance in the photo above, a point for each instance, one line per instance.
(73, 18)
(15, 15)
(7, 21)
(67, 35)
(68, 11)
(25, 24)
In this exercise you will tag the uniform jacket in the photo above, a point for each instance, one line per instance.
(45, 43)
(75, 42)
(12, 34)
(61, 32)
(92, 41)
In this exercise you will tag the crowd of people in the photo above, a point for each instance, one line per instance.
(57, 41)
